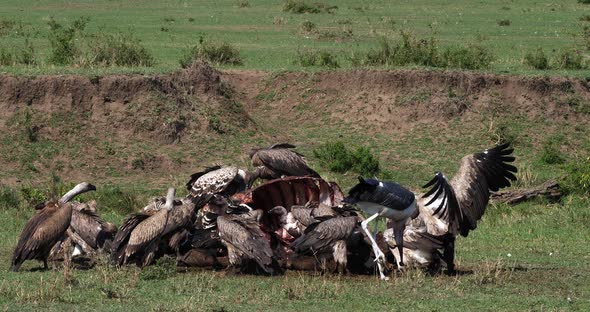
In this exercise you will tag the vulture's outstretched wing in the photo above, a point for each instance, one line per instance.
(282, 145)
(423, 241)
(462, 201)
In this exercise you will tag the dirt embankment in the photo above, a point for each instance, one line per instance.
(161, 107)
(151, 126)
(401, 98)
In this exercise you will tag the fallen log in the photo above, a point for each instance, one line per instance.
(549, 190)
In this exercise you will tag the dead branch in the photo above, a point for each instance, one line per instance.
(549, 190)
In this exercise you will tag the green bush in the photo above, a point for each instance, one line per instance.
(6, 58)
(336, 157)
(550, 153)
(586, 34)
(323, 58)
(8, 198)
(114, 199)
(327, 59)
(467, 57)
(308, 26)
(221, 53)
(584, 1)
(569, 58)
(62, 39)
(407, 50)
(118, 49)
(578, 177)
(243, 4)
(300, 7)
(505, 22)
(585, 18)
(537, 59)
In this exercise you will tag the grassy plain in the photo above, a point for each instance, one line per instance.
(533, 256)
(269, 38)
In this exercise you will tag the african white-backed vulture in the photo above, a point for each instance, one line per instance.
(214, 180)
(244, 239)
(328, 238)
(278, 161)
(90, 228)
(140, 236)
(46, 228)
(452, 208)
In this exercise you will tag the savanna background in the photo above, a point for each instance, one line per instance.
(134, 96)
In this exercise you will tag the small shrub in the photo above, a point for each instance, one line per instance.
(336, 157)
(221, 53)
(118, 49)
(336, 34)
(467, 57)
(584, 1)
(300, 7)
(569, 58)
(578, 177)
(114, 199)
(191, 19)
(6, 58)
(550, 153)
(216, 125)
(537, 59)
(8, 198)
(308, 26)
(381, 55)
(6, 26)
(585, 18)
(505, 22)
(308, 58)
(32, 196)
(243, 4)
(327, 59)
(586, 35)
(62, 38)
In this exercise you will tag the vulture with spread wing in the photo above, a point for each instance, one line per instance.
(452, 208)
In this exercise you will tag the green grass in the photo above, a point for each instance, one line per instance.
(268, 38)
(527, 257)
(533, 256)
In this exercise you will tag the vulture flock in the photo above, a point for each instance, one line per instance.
(294, 221)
